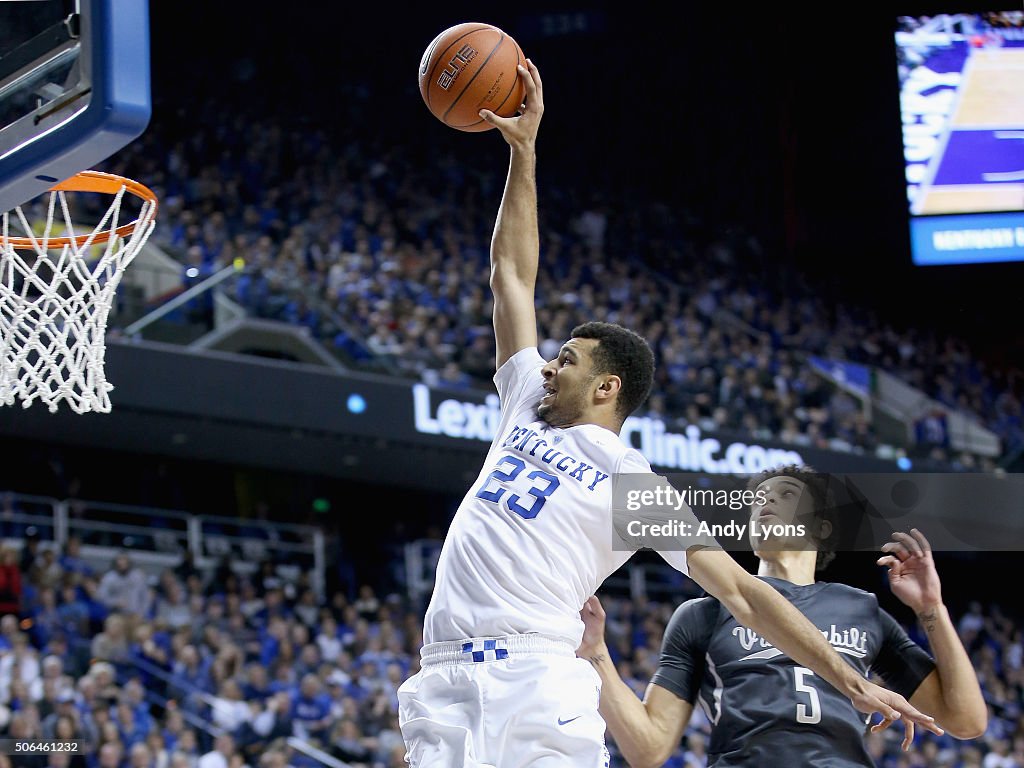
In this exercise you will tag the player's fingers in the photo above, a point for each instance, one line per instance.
(908, 734)
(910, 543)
(896, 548)
(926, 547)
(536, 74)
(912, 714)
(882, 725)
(496, 120)
(888, 560)
(528, 82)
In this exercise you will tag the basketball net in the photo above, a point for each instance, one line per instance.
(56, 290)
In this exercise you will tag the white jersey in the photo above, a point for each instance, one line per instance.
(532, 539)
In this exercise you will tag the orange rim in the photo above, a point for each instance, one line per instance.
(92, 181)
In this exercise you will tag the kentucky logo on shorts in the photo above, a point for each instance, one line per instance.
(486, 650)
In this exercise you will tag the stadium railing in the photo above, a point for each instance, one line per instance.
(159, 538)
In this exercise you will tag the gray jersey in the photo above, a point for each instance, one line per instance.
(764, 708)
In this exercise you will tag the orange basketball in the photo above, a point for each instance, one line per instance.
(469, 67)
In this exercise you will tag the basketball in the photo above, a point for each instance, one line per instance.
(469, 67)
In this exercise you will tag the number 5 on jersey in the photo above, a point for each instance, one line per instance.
(806, 713)
(495, 488)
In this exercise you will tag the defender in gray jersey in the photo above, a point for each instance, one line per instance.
(763, 707)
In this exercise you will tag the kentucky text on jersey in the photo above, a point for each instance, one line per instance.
(853, 641)
(529, 441)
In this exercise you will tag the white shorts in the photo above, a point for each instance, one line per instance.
(506, 702)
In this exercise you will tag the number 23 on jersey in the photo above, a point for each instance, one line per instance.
(524, 495)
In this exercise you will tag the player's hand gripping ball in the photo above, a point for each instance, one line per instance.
(469, 67)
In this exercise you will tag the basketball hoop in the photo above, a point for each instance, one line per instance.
(56, 292)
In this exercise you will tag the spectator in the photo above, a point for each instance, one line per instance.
(71, 561)
(229, 711)
(150, 653)
(113, 643)
(272, 722)
(110, 755)
(46, 571)
(696, 755)
(327, 639)
(20, 671)
(73, 612)
(124, 588)
(311, 710)
(139, 756)
(129, 728)
(46, 617)
(30, 549)
(307, 610)
(10, 582)
(187, 569)
(65, 729)
(22, 728)
(161, 758)
(932, 430)
(53, 676)
(172, 610)
(348, 744)
(221, 754)
(191, 678)
(275, 758)
(257, 684)
(188, 744)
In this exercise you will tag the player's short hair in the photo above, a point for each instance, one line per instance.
(820, 486)
(624, 353)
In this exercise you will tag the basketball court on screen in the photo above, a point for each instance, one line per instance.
(981, 165)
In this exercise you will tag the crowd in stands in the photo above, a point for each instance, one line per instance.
(381, 251)
(185, 669)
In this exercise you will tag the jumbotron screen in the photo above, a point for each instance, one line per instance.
(962, 103)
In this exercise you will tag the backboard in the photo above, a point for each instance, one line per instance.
(74, 88)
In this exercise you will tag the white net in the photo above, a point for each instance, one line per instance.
(56, 291)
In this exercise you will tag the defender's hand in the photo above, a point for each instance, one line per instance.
(593, 616)
(912, 575)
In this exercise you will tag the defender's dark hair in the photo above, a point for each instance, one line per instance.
(820, 487)
(624, 353)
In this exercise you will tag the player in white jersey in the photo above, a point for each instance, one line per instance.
(500, 684)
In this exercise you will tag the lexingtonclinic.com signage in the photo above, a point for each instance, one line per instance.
(689, 450)
(302, 418)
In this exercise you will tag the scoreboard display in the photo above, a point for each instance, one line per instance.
(961, 85)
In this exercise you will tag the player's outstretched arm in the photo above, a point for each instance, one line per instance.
(756, 605)
(645, 731)
(515, 244)
(951, 691)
